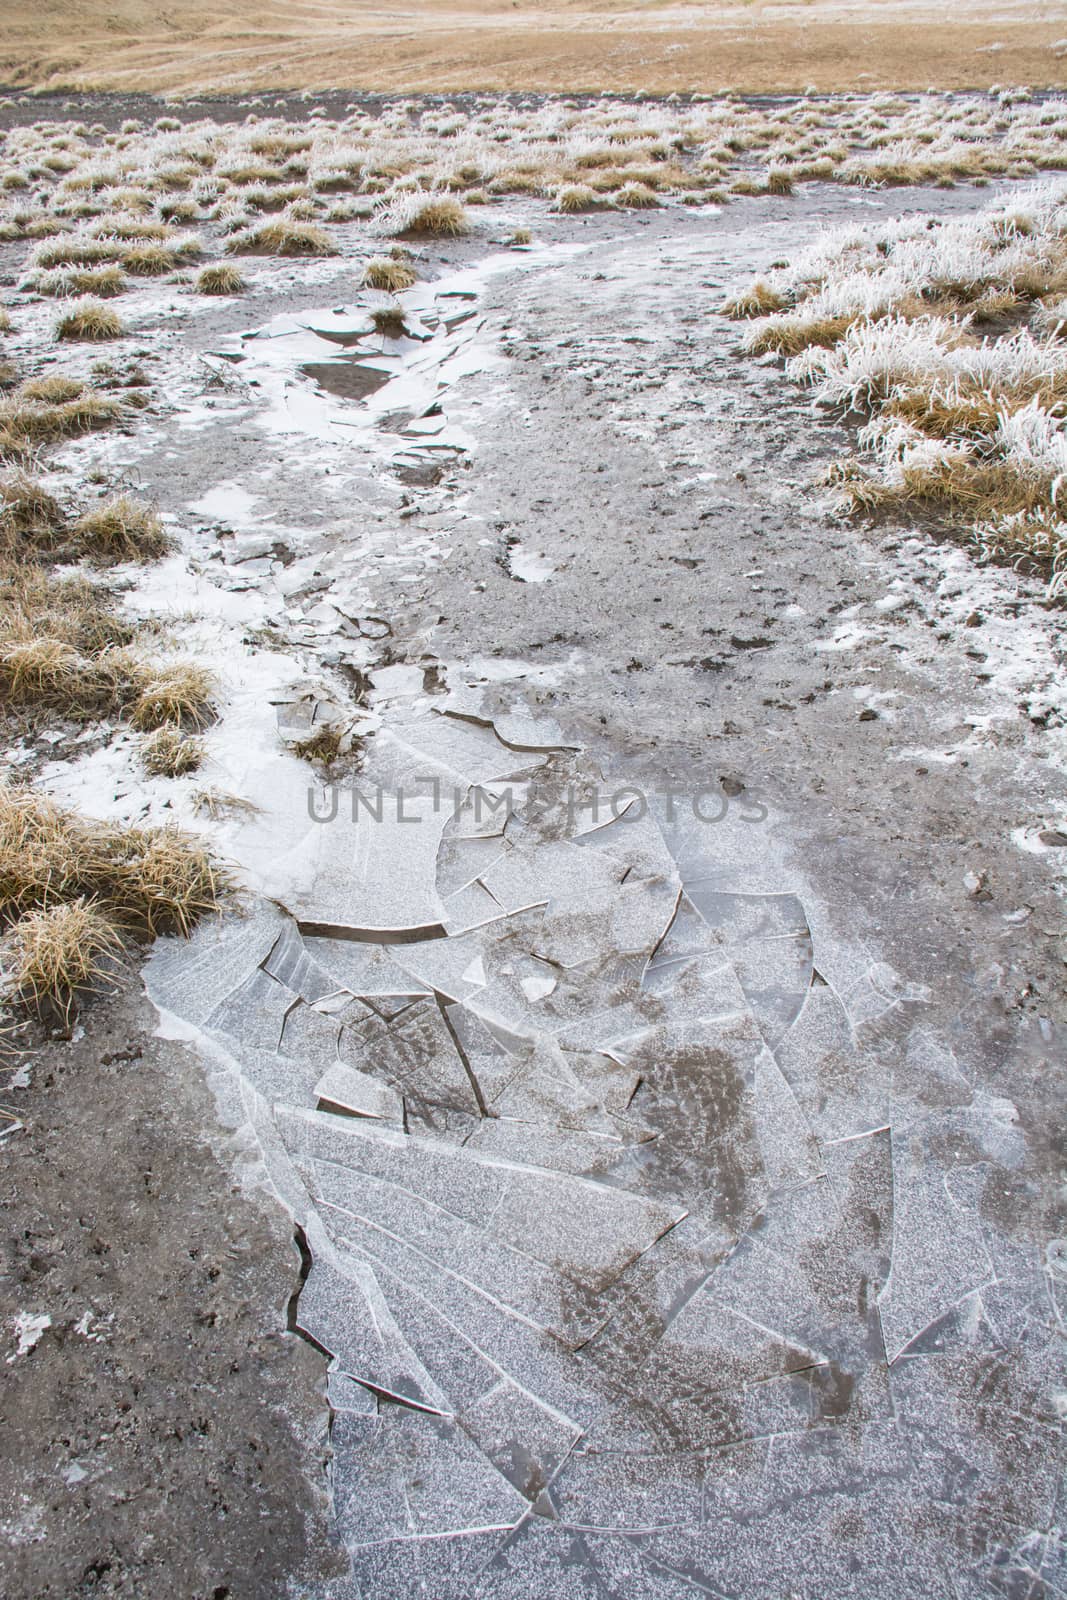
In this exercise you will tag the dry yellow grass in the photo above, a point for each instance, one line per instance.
(170, 753)
(103, 282)
(149, 261)
(788, 336)
(27, 424)
(758, 300)
(384, 272)
(437, 219)
(975, 491)
(122, 529)
(92, 322)
(321, 747)
(51, 954)
(151, 880)
(176, 695)
(29, 514)
(72, 889)
(72, 251)
(283, 238)
(249, 45)
(220, 278)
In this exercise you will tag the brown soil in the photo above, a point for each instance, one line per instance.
(240, 45)
(164, 1423)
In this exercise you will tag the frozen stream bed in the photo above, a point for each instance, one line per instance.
(669, 1121)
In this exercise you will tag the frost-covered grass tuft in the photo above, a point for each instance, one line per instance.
(945, 336)
(220, 278)
(89, 320)
(283, 238)
(415, 215)
(388, 274)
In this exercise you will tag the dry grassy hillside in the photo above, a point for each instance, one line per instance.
(239, 45)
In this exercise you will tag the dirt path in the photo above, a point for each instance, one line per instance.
(680, 1189)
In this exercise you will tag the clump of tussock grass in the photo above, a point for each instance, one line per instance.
(758, 300)
(27, 424)
(91, 322)
(171, 753)
(64, 651)
(29, 516)
(73, 890)
(389, 274)
(149, 260)
(438, 217)
(5, 321)
(637, 197)
(103, 282)
(55, 952)
(322, 747)
(179, 695)
(122, 529)
(883, 323)
(576, 197)
(389, 322)
(53, 388)
(220, 278)
(789, 335)
(283, 238)
(72, 250)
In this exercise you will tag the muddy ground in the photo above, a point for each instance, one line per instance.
(165, 1434)
(628, 536)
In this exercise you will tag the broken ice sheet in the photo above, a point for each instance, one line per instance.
(414, 1476)
(342, 1088)
(591, 1231)
(371, 876)
(191, 977)
(939, 1254)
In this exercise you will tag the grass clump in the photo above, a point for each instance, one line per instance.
(29, 515)
(577, 197)
(637, 197)
(51, 954)
(388, 274)
(170, 753)
(104, 282)
(30, 420)
(64, 651)
(123, 529)
(73, 890)
(935, 336)
(437, 218)
(389, 322)
(90, 321)
(174, 696)
(220, 278)
(283, 238)
(758, 300)
(322, 747)
(70, 250)
(148, 260)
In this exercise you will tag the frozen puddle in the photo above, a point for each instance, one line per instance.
(648, 1216)
(332, 374)
(585, 1121)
